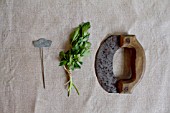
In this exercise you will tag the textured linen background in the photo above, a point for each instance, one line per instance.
(22, 21)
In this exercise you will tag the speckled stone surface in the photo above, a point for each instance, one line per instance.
(42, 43)
(104, 63)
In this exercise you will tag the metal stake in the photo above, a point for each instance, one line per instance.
(40, 43)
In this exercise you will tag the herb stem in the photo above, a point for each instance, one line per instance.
(70, 81)
(76, 89)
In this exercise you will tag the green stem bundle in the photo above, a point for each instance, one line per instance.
(70, 82)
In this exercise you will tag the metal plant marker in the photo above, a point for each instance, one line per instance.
(40, 43)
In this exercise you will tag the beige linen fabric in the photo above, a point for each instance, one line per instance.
(22, 21)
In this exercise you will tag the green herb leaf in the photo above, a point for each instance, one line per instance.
(63, 63)
(85, 27)
(62, 54)
(75, 34)
(86, 53)
(87, 45)
(81, 63)
(77, 66)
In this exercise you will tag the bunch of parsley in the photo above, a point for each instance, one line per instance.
(80, 47)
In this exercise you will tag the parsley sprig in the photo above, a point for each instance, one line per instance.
(80, 47)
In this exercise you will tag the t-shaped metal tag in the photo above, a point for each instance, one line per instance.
(40, 43)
